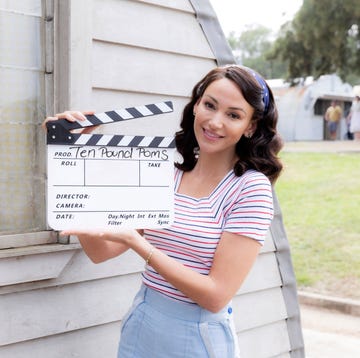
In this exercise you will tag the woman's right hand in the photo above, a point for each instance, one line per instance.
(71, 116)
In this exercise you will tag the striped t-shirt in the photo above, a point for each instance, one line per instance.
(241, 205)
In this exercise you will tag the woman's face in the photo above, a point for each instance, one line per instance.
(222, 117)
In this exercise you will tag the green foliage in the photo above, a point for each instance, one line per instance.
(254, 42)
(324, 37)
(250, 49)
(319, 196)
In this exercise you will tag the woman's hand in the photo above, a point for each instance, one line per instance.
(123, 236)
(101, 246)
(71, 116)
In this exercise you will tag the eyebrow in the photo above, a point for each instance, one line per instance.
(232, 108)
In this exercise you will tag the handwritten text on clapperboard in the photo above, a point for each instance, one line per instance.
(129, 183)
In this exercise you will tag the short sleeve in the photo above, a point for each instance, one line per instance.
(252, 210)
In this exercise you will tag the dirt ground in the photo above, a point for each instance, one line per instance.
(344, 288)
(329, 333)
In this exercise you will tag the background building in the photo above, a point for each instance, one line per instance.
(302, 107)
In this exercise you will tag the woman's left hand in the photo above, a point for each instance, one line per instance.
(123, 236)
(103, 245)
(71, 116)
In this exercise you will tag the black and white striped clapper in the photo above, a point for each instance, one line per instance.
(58, 132)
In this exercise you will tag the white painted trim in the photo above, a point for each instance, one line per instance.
(25, 239)
(34, 263)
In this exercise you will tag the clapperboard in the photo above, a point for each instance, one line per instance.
(104, 182)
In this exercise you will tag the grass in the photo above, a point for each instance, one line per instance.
(319, 196)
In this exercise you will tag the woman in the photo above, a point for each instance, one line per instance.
(223, 209)
(354, 118)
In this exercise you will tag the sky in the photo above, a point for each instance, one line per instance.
(234, 15)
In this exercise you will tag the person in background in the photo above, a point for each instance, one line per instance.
(348, 134)
(354, 118)
(333, 115)
(223, 208)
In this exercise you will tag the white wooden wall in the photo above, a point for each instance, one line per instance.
(139, 52)
(121, 53)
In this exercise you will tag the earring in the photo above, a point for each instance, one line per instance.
(248, 136)
(196, 152)
(194, 113)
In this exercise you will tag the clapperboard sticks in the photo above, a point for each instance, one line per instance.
(58, 132)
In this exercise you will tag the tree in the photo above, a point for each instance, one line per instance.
(323, 38)
(250, 49)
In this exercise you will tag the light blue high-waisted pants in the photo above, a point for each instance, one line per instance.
(160, 327)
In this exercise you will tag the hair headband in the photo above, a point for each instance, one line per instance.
(265, 89)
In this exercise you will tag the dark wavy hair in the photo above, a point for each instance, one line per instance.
(258, 152)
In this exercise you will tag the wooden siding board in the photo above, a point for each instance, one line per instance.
(265, 341)
(21, 240)
(256, 309)
(92, 342)
(269, 243)
(165, 125)
(28, 8)
(108, 99)
(98, 341)
(29, 268)
(181, 5)
(263, 275)
(161, 73)
(49, 311)
(81, 269)
(144, 25)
